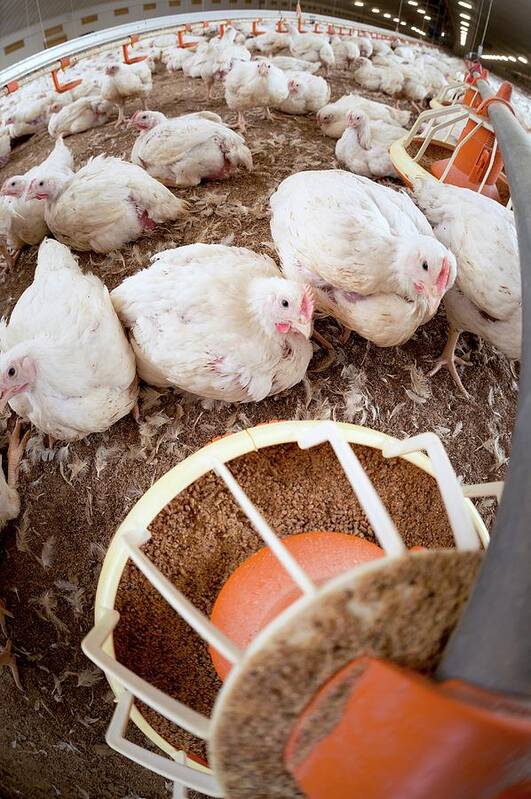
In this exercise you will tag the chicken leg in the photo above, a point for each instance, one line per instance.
(121, 115)
(15, 452)
(240, 123)
(331, 355)
(448, 358)
(9, 257)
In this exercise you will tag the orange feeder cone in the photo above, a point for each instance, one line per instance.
(477, 161)
(260, 588)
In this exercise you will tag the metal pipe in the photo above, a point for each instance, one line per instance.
(491, 645)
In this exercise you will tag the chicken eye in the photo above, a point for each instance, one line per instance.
(11, 371)
(13, 182)
(425, 266)
(41, 183)
(285, 304)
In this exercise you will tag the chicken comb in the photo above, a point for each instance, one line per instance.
(307, 303)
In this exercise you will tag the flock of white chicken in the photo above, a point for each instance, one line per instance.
(218, 321)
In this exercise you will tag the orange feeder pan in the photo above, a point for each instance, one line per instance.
(260, 588)
(477, 163)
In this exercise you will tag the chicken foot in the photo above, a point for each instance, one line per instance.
(9, 257)
(15, 451)
(240, 123)
(269, 115)
(449, 359)
(331, 355)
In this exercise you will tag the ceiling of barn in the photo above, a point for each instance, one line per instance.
(508, 32)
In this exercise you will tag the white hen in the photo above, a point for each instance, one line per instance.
(83, 114)
(368, 251)
(106, 204)
(332, 119)
(311, 47)
(307, 93)
(389, 80)
(289, 64)
(365, 45)
(270, 42)
(487, 296)
(364, 146)
(346, 51)
(123, 81)
(27, 223)
(224, 53)
(184, 150)
(66, 365)
(254, 84)
(29, 116)
(217, 321)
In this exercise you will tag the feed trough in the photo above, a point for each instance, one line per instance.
(312, 493)
(456, 144)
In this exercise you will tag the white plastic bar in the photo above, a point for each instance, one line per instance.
(270, 538)
(178, 773)
(465, 535)
(382, 524)
(183, 716)
(477, 490)
(132, 541)
(434, 130)
(423, 117)
(489, 168)
(456, 150)
(180, 791)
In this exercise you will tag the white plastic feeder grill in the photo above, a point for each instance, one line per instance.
(452, 94)
(442, 127)
(467, 527)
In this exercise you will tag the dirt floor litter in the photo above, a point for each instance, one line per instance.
(74, 497)
(200, 539)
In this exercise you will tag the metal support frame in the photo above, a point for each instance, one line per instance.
(491, 646)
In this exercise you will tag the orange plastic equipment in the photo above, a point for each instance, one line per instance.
(472, 97)
(125, 51)
(260, 588)
(475, 158)
(65, 87)
(390, 732)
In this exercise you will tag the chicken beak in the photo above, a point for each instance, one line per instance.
(434, 299)
(5, 396)
(303, 326)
